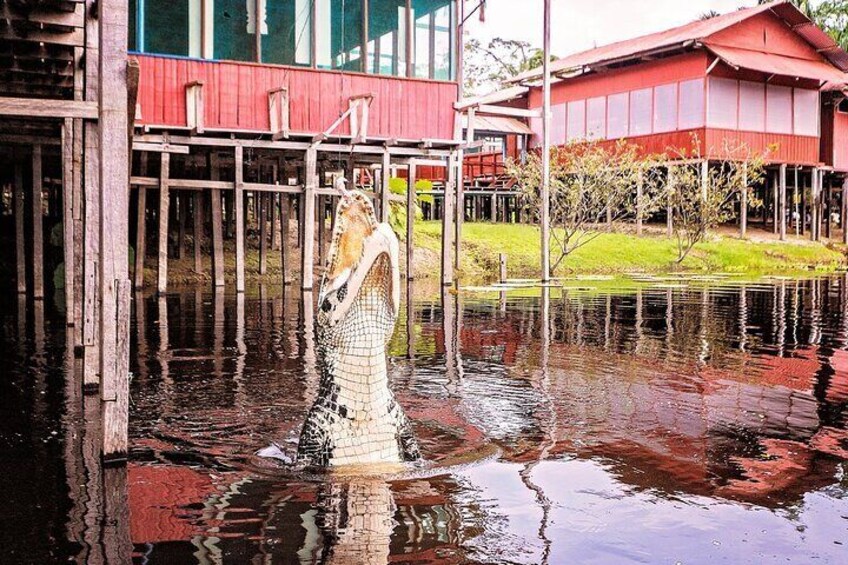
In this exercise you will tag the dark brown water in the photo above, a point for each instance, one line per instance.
(691, 422)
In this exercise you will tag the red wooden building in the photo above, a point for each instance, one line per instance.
(764, 76)
(262, 104)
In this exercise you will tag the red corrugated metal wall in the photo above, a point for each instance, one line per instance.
(840, 141)
(236, 97)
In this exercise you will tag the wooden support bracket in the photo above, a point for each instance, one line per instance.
(278, 113)
(194, 106)
(359, 107)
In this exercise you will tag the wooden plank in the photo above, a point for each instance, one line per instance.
(47, 108)
(307, 227)
(197, 232)
(239, 216)
(40, 15)
(140, 238)
(410, 220)
(73, 37)
(37, 224)
(160, 147)
(164, 212)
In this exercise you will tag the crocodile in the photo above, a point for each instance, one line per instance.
(355, 418)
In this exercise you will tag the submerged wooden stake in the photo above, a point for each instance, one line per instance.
(20, 248)
(239, 216)
(164, 213)
(37, 225)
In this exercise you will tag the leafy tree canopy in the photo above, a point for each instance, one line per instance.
(488, 66)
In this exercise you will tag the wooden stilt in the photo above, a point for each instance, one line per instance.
(263, 232)
(639, 206)
(843, 219)
(182, 215)
(217, 239)
(411, 199)
(743, 206)
(164, 214)
(669, 221)
(239, 216)
(320, 216)
(229, 211)
(272, 219)
(385, 192)
(68, 217)
(197, 233)
(140, 237)
(781, 200)
(285, 212)
(775, 202)
(307, 227)
(37, 225)
(447, 223)
(828, 216)
(803, 218)
(20, 240)
(814, 205)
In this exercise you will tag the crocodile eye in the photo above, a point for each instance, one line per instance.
(326, 306)
(342, 292)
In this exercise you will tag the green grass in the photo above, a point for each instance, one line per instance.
(621, 253)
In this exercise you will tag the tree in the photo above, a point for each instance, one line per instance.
(592, 185)
(830, 15)
(700, 206)
(487, 67)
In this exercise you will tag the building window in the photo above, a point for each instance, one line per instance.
(640, 111)
(618, 115)
(723, 103)
(288, 39)
(665, 108)
(235, 29)
(691, 113)
(596, 118)
(576, 123)
(339, 34)
(842, 106)
(752, 106)
(387, 37)
(433, 38)
(558, 124)
(806, 112)
(778, 109)
(162, 26)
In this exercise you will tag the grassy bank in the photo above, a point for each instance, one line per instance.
(622, 253)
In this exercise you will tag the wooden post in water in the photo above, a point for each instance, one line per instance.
(502, 267)
(285, 213)
(546, 144)
(239, 216)
(411, 199)
(775, 202)
(20, 239)
(263, 232)
(182, 209)
(217, 224)
(782, 201)
(164, 213)
(307, 227)
(385, 192)
(197, 232)
(37, 225)
(68, 217)
(814, 205)
(140, 237)
(447, 221)
(743, 204)
(669, 210)
(639, 207)
(320, 218)
(844, 216)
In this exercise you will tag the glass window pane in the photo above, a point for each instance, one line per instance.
(723, 103)
(778, 109)
(234, 30)
(165, 27)
(132, 25)
(387, 37)
(558, 124)
(289, 32)
(806, 112)
(640, 111)
(665, 108)
(433, 39)
(752, 106)
(596, 118)
(691, 104)
(339, 34)
(576, 125)
(618, 111)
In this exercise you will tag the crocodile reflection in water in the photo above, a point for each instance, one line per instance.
(355, 418)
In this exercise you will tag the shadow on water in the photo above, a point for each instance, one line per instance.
(695, 421)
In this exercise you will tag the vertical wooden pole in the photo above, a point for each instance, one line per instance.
(197, 232)
(182, 210)
(502, 267)
(320, 218)
(385, 193)
(68, 217)
(37, 225)
(743, 205)
(263, 231)
(217, 223)
(272, 198)
(411, 199)
(782, 201)
(229, 206)
(447, 221)
(829, 211)
(307, 227)
(20, 239)
(114, 205)
(545, 218)
(285, 212)
(140, 237)
(803, 215)
(775, 201)
(843, 219)
(164, 213)
(639, 188)
(814, 205)
(239, 216)
(669, 210)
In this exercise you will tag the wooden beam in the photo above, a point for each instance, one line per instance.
(47, 108)
(160, 147)
(285, 213)
(320, 218)
(447, 224)
(279, 113)
(639, 205)
(506, 111)
(385, 191)
(164, 212)
(239, 216)
(195, 112)
(140, 238)
(263, 232)
(20, 238)
(182, 220)
(669, 210)
(307, 227)
(197, 210)
(743, 206)
(37, 224)
(844, 216)
(781, 201)
(411, 202)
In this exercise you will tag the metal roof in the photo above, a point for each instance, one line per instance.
(498, 124)
(771, 63)
(689, 35)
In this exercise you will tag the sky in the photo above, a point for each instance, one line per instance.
(577, 25)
